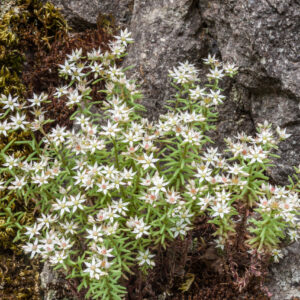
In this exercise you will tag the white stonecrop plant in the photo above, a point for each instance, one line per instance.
(118, 185)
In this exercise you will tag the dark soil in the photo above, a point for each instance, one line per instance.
(187, 270)
(194, 269)
(41, 72)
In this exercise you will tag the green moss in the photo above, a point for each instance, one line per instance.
(27, 24)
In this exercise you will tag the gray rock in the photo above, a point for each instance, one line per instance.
(262, 38)
(82, 14)
(49, 279)
(165, 33)
(54, 285)
(281, 111)
(284, 278)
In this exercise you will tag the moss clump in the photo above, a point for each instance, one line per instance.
(19, 277)
(29, 23)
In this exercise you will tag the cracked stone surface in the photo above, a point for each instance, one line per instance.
(262, 38)
(284, 278)
(82, 14)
